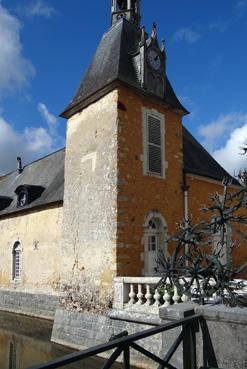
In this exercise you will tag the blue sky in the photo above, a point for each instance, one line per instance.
(46, 45)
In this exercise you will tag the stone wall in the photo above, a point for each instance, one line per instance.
(81, 331)
(227, 329)
(37, 305)
(39, 233)
(223, 345)
(89, 227)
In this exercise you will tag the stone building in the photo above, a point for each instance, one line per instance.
(130, 172)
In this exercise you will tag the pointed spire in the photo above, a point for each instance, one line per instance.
(143, 36)
(154, 31)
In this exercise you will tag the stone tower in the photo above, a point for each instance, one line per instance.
(123, 156)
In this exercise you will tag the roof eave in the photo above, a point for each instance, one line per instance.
(30, 208)
(218, 179)
(72, 109)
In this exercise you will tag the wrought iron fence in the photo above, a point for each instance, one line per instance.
(122, 344)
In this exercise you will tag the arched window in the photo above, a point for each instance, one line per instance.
(17, 261)
(155, 234)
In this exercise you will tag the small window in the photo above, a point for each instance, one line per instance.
(22, 199)
(17, 261)
(26, 194)
(152, 243)
(154, 160)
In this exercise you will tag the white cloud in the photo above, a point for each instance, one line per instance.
(38, 139)
(224, 138)
(229, 155)
(187, 35)
(49, 118)
(217, 131)
(37, 8)
(15, 69)
(31, 143)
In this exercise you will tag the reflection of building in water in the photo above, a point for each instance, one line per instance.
(13, 354)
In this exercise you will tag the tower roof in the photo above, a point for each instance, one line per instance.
(114, 60)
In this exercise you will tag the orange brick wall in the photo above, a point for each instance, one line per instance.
(199, 195)
(200, 190)
(139, 194)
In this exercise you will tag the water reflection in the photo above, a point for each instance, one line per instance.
(25, 342)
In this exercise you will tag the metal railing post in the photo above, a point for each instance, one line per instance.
(189, 346)
(127, 357)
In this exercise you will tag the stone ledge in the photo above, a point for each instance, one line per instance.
(26, 303)
(135, 317)
(222, 313)
(177, 312)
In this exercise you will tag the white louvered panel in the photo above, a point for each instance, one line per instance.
(154, 145)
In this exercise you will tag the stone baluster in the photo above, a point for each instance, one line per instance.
(185, 297)
(139, 295)
(148, 296)
(176, 296)
(132, 295)
(194, 290)
(215, 297)
(157, 298)
(166, 298)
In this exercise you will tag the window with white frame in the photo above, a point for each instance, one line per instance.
(17, 261)
(154, 142)
(155, 233)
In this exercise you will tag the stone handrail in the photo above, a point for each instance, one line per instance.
(141, 293)
(130, 292)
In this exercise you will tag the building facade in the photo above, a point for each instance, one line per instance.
(103, 207)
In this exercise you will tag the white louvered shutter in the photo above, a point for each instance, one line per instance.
(154, 145)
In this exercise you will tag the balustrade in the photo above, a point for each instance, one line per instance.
(142, 293)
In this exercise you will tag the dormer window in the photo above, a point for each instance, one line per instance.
(27, 194)
(22, 199)
(5, 202)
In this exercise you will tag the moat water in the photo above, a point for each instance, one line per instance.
(25, 342)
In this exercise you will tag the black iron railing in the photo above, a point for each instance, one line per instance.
(123, 344)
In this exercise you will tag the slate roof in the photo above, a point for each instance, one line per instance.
(198, 161)
(47, 172)
(114, 61)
